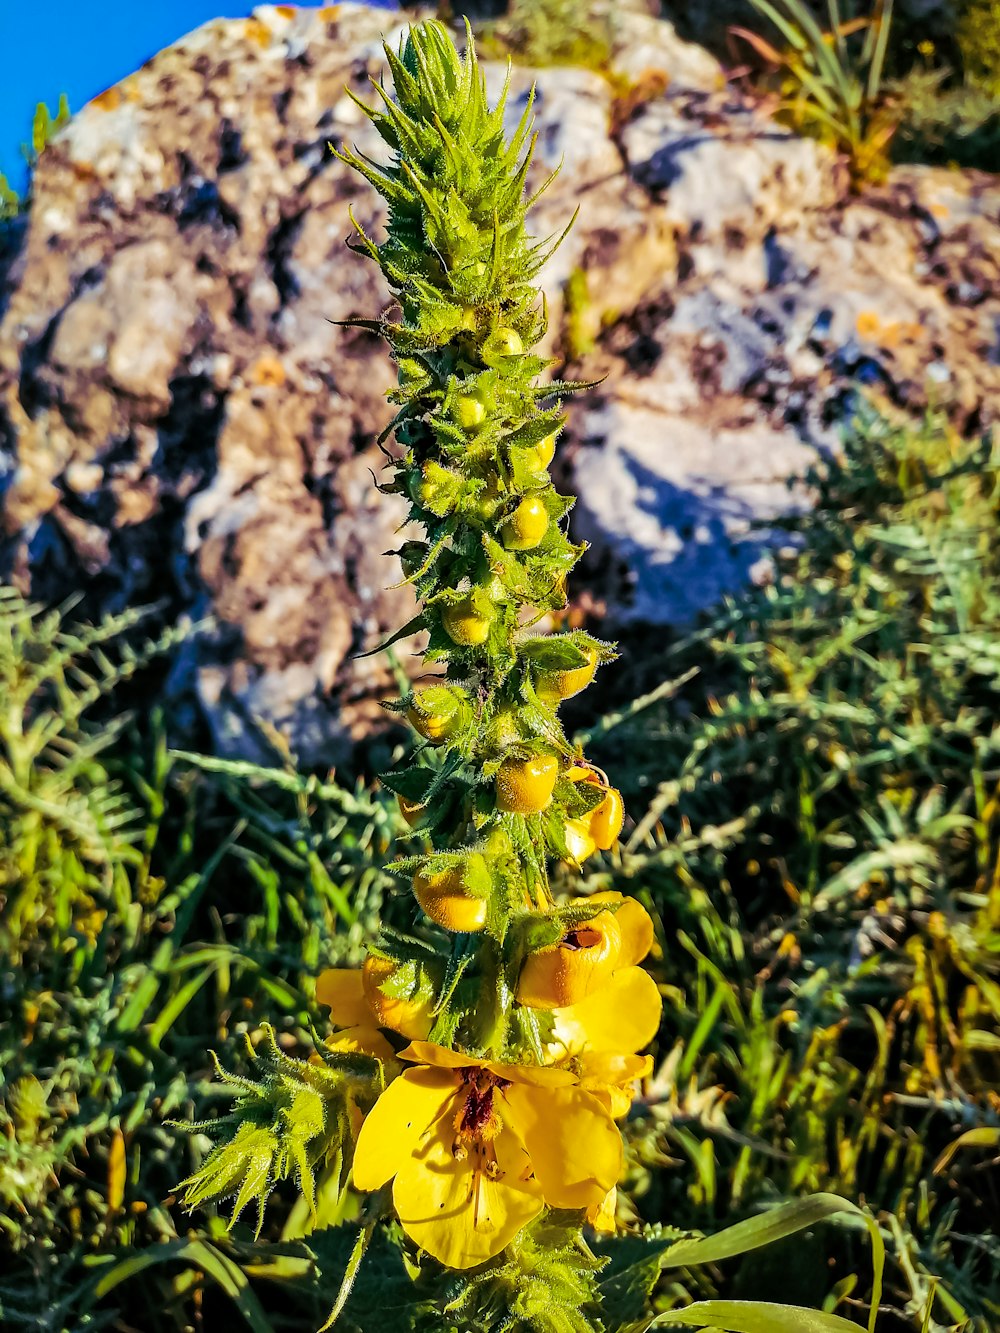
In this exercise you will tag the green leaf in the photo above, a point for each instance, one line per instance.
(769, 1227)
(775, 1225)
(755, 1317)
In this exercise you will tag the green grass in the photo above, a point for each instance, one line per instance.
(816, 827)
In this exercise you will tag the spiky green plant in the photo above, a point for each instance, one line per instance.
(68, 823)
(292, 1122)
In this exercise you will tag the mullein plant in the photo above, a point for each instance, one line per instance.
(523, 1018)
(478, 1063)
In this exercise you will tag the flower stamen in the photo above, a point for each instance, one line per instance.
(476, 1120)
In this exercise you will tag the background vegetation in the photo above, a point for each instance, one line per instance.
(816, 824)
(874, 79)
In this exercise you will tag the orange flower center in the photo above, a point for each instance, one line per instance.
(583, 937)
(477, 1125)
(476, 1121)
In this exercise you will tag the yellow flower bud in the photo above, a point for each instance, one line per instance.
(606, 820)
(410, 1014)
(579, 840)
(438, 712)
(538, 456)
(526, 526)
(573, 968)
(525, 786)
(501, 343)
(469, 412)
(456, 898)
(465, 624)
(554, 686)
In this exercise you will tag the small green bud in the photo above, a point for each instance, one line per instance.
(435, 488)
(502, 343)
(469, 412)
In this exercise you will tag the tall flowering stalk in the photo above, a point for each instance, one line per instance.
(525, 1016)
(479, 1062)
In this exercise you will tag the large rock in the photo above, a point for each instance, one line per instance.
(183, 423)
(187, 424)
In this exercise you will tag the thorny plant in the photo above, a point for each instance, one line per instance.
(481, 1057)
(69, 823)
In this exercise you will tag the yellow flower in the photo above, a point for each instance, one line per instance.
(583, 962)
(476, 1148)
(579, 963)
(598, 1037)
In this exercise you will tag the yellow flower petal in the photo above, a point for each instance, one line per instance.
(611, 1078)
(395, 1126)
(574, 1145)
(612, 1067)
(456, 1212)
(365, 1038)
(602, 1218)
(429, 1053)
(635, 924)
(342, 990)
(624, 1016)
(637, 932)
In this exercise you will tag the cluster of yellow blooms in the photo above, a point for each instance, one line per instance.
(476, 1148)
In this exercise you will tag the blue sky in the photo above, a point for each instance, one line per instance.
(81, 47)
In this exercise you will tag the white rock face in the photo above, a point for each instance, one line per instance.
(180, 421)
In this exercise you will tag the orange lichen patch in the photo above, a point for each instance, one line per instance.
(651, 84)
(256, 31)
(268, 372)
(939, 210)
(109, 100)
(900, 331)
(868, 324)
(890, 335)
(286, 11)
(329, 12)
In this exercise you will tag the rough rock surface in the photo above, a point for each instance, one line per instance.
(180, 420)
